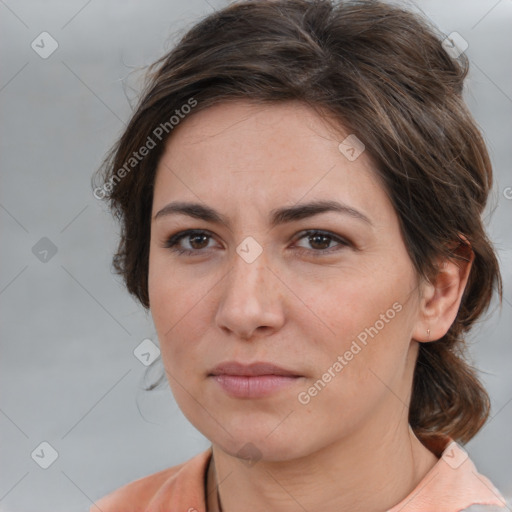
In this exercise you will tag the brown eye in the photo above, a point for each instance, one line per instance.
(321, 241)
(197, 241)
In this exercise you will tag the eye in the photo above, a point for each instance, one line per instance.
(196, 239)
(320, 241)
(198, 242)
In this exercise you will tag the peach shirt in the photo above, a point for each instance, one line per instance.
(452, 485)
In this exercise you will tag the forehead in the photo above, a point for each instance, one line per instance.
(263, 155)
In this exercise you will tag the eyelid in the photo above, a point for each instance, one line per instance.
(329, 234)
(342, 243)
(172, 241)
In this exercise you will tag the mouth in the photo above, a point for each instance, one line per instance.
(255, 380)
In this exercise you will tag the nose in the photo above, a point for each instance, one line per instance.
(251, 300)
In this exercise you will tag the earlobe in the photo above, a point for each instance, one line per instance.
(442, 295)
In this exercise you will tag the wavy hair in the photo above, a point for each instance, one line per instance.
(382, 73)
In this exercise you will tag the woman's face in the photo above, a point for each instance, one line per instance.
(335, 310)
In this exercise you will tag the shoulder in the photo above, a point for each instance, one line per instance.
(181, 483)
(484, 508)
(453, 485)
(135, 495)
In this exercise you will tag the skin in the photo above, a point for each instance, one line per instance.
(293, 309)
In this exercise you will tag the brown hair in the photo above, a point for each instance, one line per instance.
(382, 72)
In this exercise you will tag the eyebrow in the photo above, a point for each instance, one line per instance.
(277, 216)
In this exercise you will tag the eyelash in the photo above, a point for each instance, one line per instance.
(172, 242)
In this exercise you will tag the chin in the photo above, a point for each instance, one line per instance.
(251, 450)
(251, 441)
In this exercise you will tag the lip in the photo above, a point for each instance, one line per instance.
(254, 380)
(251, 370)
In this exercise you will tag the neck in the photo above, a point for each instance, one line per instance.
(337, 478)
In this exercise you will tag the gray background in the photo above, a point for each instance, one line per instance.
(68, 374)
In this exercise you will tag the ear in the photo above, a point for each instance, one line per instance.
(441, 296)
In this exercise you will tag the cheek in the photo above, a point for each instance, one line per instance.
(369, 318)
(360, 370)
(177, 303)
(347, 301)
(168, 300)
(367, 340)
(170, 294)
(161, 296)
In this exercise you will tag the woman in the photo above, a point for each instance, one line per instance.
(300, 193)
